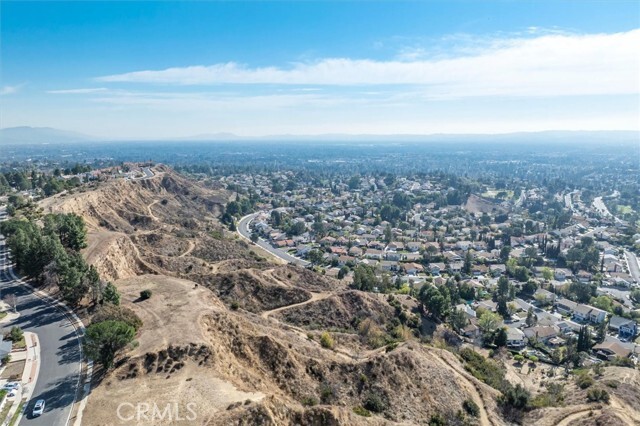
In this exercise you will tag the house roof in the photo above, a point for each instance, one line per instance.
(514, 334)
(612, 347)
(618, 321)
(540, 332)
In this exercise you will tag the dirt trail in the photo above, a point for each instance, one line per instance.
(623, 411)
(192, 245)
(576, 416)
(151, 213)
(314, 297)
(472, 388)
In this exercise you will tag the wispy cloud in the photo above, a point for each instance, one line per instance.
(78, 91)
(548, 65)
(9, 90)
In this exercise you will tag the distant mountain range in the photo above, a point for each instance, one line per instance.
(40, 135)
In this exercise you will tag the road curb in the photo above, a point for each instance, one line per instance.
(78, 327)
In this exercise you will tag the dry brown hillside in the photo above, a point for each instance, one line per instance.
(240, 336)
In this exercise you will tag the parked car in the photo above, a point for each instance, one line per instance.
(38, 409)
(11, 385)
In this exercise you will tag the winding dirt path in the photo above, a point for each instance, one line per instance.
(314, 298)
(471, 387)
(576, 416)
(192, 245)
(151, 213)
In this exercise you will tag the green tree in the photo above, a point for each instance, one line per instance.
(584, 339)
(602, 302)
(388, 235)
(364, 278)
(468, 262)
(601, 332)
(70, 228)
(435, 301)
(500, 338)
(111, 295)
(489, 322)
(103, 340)
(315, 256)
(458, 319)
(343, 272)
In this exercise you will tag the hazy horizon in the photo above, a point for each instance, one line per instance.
(162, 70)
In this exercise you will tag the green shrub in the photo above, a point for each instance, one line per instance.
(326, 340)
(437, 420)
(471, 408)
(326, 393)
(361, 411)
(309, 401)
(584, 381)
(598, 395)
(486, 370)
(16, 334)
(111, 312)
(391, 346)
(235, 305)
(553, 397)
(514, 397)
(374, 402)
(145, 294)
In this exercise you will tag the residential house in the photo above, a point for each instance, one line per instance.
(389, 265)
(610, 349)
(355, 251)
(393, 255)
(472, 330)
(497, 270)
(544, 295)
(414, 246)
(565, 306)
(412, 268)
(541, 333)
(562, 274)
(374, 254)
(436, 268)
(395, 246)
(623, 326)
(515, 338)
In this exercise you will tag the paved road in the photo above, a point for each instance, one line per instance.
(634, 268)
(243, 229)
(147, 173)
(600, 207)
(60, 361)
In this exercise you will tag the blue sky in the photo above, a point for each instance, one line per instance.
(163, 69)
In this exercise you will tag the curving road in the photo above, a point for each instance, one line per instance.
(60, 351)
(244, 231)
(634, 267)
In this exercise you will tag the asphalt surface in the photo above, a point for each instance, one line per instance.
(60, 355)
(634, 268)
(243, 229)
